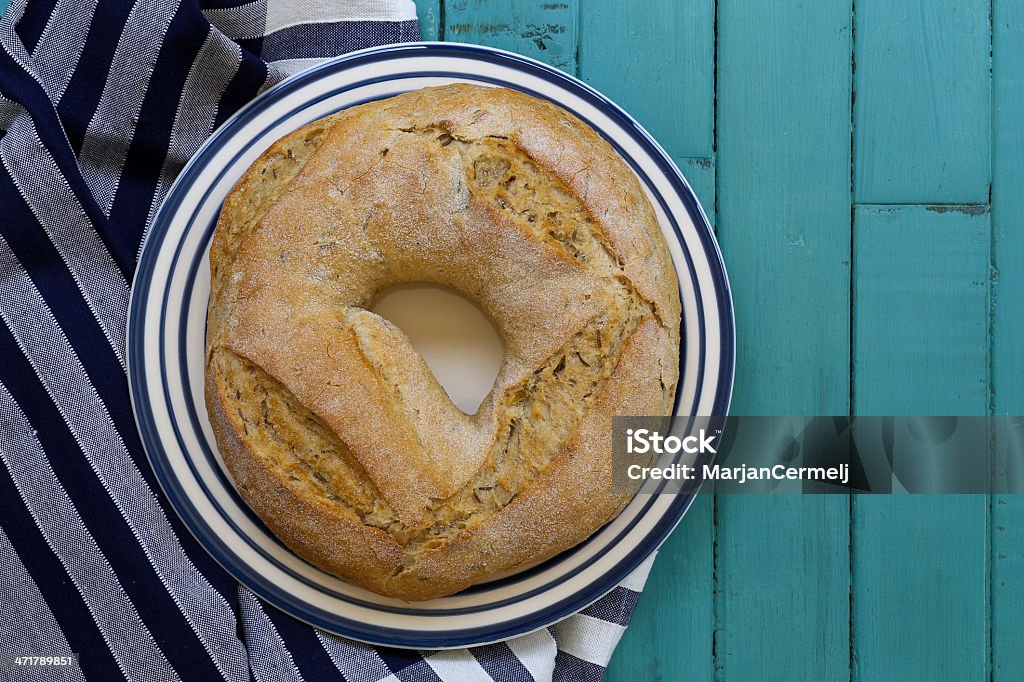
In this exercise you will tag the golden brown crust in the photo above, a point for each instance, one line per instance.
(333, 428)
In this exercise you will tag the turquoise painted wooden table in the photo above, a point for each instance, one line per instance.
(864, 167)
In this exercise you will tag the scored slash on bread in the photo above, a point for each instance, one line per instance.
(330, 423)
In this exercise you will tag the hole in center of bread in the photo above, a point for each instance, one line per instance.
(459, 343)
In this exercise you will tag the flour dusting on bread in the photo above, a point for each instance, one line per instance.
(331, 424)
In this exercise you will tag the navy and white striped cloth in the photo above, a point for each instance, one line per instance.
(101, 104)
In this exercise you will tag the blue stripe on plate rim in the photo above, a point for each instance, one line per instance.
(213, 544)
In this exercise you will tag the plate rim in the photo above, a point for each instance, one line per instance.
(724, 381)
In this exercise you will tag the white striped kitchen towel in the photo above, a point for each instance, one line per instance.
(101, 104)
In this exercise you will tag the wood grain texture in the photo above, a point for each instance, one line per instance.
(541, 29)
(782, 588)
(1007, 554)
(658, 64)
(671, 635)
(920, 347)
(783, 164)
(429, 14)
(922, 83)
(921, 310)
(700, 174)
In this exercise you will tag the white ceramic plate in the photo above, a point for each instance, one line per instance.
(166, 334)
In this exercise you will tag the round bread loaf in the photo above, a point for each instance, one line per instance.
(333, 428)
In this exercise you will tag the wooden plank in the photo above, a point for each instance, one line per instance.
(922, 107)
(784, 222)
(782, 593)
(700, 174)
(921, 315)
(667, 49)
(670, 636)
(658, 64)
(1007, 559)
(542, 29)
(920, 347)
(429, 14)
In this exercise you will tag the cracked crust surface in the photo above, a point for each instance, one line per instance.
(333, 428)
